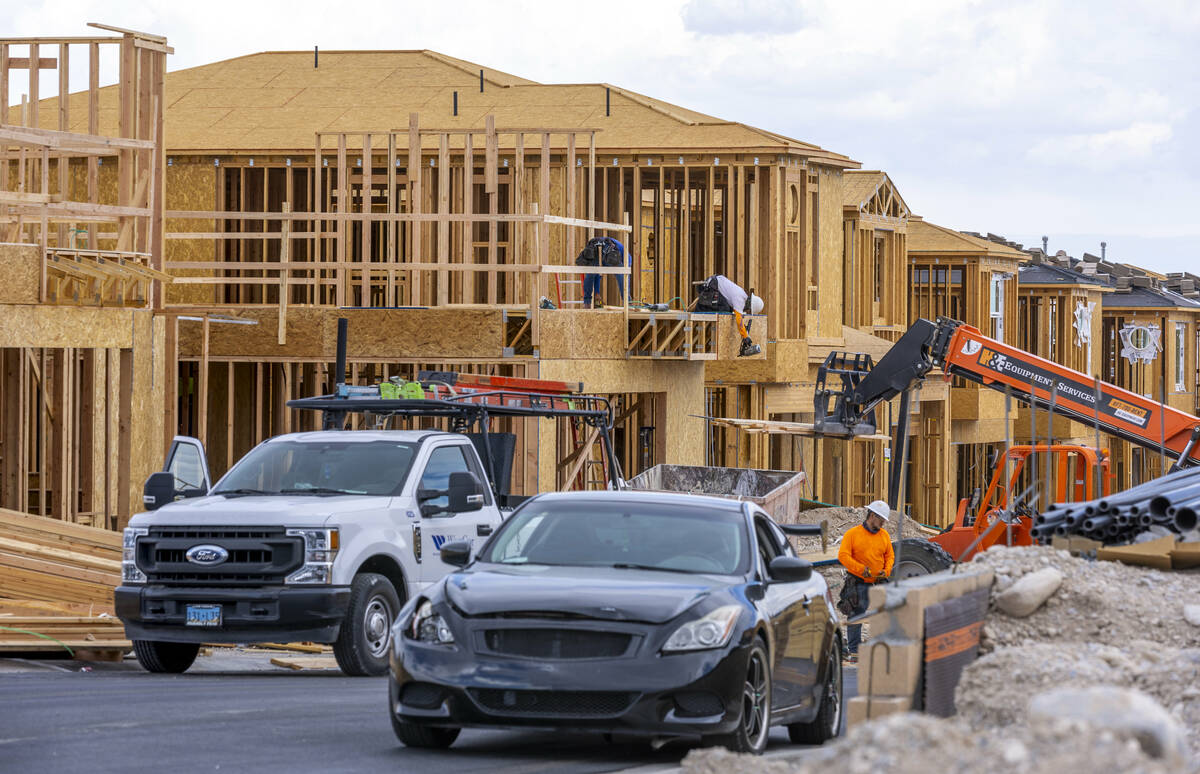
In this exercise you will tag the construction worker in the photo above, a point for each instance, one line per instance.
(867, 555)
(718, 293)
(607, 251)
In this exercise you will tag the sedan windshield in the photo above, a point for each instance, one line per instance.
(619, 534)
(320, 468)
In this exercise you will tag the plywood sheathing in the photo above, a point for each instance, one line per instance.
(374, 333)
(21, 267)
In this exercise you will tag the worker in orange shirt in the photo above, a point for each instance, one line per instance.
(867, 555)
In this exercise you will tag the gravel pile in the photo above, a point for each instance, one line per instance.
(995, 690)
(1099, 602)
(919, 744)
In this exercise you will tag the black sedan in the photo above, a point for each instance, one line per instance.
(659, 614)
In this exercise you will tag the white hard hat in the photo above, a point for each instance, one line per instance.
(880, 509)
(756, 304)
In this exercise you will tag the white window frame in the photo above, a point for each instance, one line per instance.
(996, 302)
(1180, 357)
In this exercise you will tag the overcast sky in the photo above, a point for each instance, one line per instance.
(1074, 120)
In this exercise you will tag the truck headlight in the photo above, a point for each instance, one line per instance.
(711, 631)
(428, 626)
(320, 546)
(129, 569)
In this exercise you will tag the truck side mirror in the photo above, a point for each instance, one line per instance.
(159, 490)
(465, 493)
(456, 554)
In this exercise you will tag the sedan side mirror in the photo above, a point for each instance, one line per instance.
(790, 569)
(159, 490)
(456, 554)
(465, 492)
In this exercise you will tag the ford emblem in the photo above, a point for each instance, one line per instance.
(206, 555)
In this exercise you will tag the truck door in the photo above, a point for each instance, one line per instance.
(187, 462)
(438, 527)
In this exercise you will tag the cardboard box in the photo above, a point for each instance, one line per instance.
(890, 667)
(857, 709)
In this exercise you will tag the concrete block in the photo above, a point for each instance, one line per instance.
(890, 667)
(863, 708)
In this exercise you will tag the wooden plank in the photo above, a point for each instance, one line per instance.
(491, 187)
(443, 256)
(414, 201)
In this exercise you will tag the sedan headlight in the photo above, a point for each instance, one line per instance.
(129, 569)
(428, 626)
(711, 631)
(320, 546)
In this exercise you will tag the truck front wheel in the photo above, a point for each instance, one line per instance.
(366, 633)
(171, 657)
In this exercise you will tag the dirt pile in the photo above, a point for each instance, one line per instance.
(840, 520)
(995, 690)
(918, 744)
(1099, 602)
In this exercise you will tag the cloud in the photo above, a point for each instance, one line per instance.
(733, 17)
(1101, 150)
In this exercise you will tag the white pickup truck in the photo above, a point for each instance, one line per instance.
(317, 536)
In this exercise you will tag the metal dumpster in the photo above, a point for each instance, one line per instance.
(776, 491)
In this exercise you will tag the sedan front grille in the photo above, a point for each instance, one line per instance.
(557, 643)
(574, 704)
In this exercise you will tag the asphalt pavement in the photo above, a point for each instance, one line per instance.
(235, 712)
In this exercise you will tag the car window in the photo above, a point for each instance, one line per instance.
(187, 466)
(624, 533)
(443, 461)
(768, 547)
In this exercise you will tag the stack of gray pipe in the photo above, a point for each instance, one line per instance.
(1172, 501)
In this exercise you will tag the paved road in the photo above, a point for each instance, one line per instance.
(120, 719)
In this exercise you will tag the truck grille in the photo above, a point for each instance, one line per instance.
(573, 704)
(557, 643)
(256, 555)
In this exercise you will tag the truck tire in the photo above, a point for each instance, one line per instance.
(828, 721)
(361, 648)
(170, 657)
(412, 735)
(919, 556)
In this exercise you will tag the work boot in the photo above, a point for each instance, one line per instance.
(749, 348)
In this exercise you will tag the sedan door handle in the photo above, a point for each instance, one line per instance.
(483, 530)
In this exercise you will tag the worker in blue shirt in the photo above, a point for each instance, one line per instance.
(609, 252)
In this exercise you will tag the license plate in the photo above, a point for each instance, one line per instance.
(203, 615)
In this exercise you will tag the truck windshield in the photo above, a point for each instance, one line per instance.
(320, 468)
(630, 535)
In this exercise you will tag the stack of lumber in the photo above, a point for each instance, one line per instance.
(56, 587)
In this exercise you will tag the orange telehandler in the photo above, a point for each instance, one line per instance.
(850, 387)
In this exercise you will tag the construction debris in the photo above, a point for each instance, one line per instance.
(305, 662)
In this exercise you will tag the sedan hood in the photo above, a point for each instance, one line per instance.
(594, 592)
(251, 511)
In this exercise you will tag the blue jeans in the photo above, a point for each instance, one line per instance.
(592, 284)
(861, 595)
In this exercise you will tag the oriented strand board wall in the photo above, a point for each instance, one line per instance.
(373, 333)
(681, 381)
(191, 184)
(21, 267)
(831, 251)
(146, 418)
